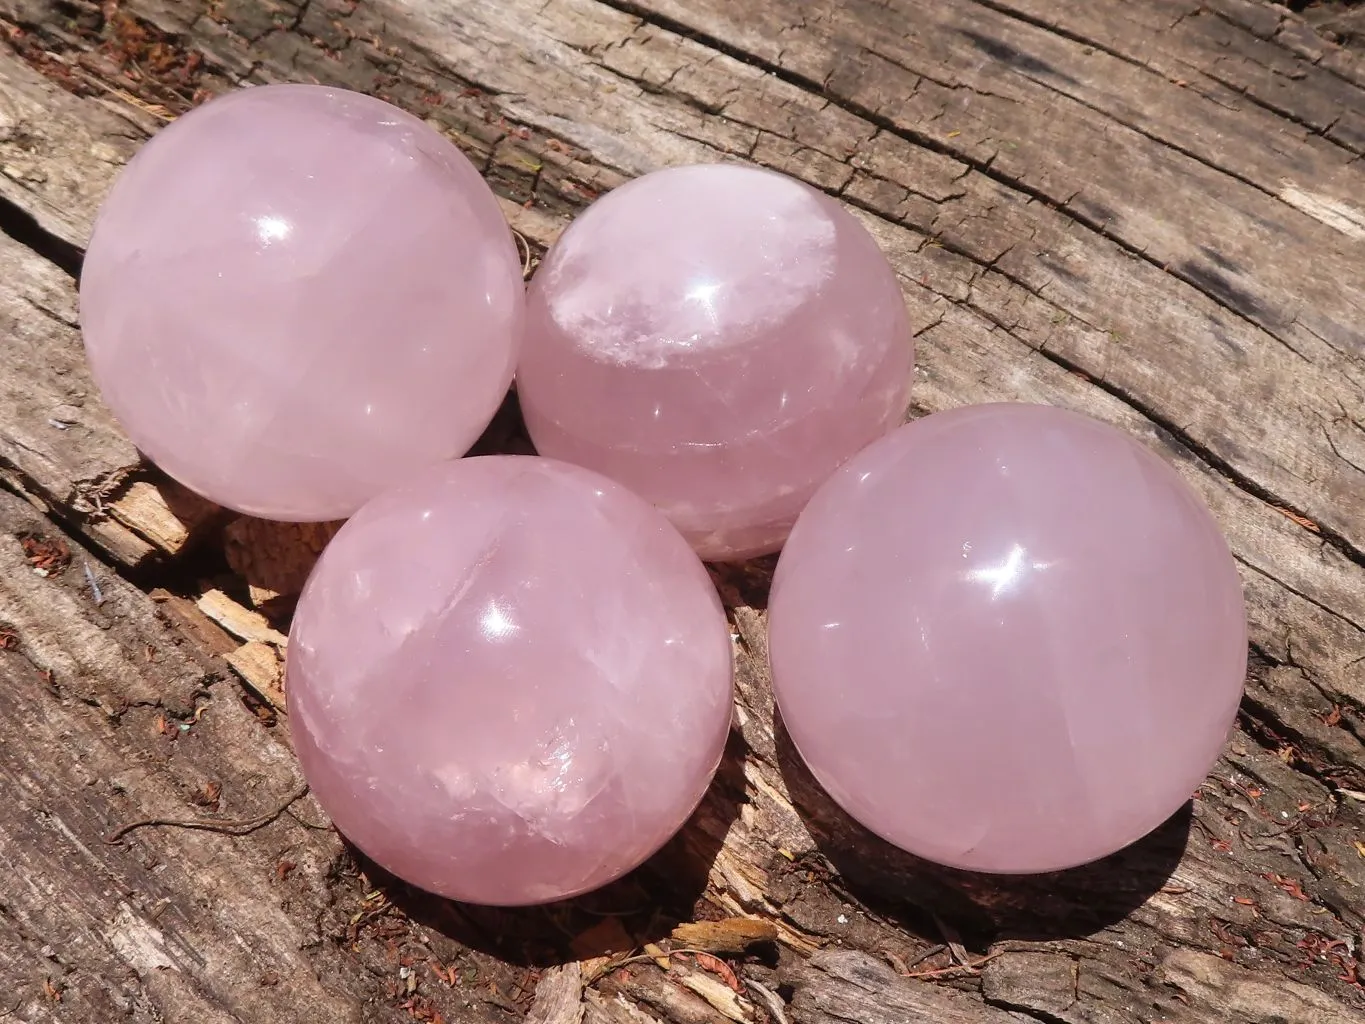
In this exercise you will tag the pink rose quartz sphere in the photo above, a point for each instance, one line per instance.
(509, 680)
(1008, 638)
(295, 295)
(719, 338)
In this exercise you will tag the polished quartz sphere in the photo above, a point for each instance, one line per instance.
(295, 295)
(719, 338)
(509, 680)
(1008, 638)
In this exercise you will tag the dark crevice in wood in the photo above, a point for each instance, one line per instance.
(23, 227)
(1301, 595)
(1272, 734)
(1273, 108)
(1032, 1012)
(1324, 67)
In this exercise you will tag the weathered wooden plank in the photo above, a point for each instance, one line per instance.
(56, 429)
(108, 717)
(1036, 272)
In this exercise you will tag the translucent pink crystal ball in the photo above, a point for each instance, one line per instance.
(719, 338)
(294, 295)
(1008, 638)
(509, 680)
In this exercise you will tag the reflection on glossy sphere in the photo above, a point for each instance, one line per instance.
(509, 680)
(295, 295)
(719, 338)
(1008, 638)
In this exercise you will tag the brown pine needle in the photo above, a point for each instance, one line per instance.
(239, 827)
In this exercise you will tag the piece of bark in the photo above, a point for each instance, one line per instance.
(730, 935)
(854, 988)
(242, 623)
(1215, 991)
(166, 514)
(170, 924)
(614, 1010)
(1037, 983)
(720, 996)
(183, 613)
(666, 995)
(559, 997)
(260, 667)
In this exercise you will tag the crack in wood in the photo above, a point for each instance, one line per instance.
(20, 225)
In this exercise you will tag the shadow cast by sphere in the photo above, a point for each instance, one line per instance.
(936, 901)
(642, 907)
(744, 584)
(506, 433)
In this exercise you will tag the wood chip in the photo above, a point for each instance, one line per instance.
(720, 996)
(167, 514)
(559, 997)
(771, 1001)
(732, 935)
(953, 941)
(260, 667)
(615, 1010)
(127, 547)
(241, 622)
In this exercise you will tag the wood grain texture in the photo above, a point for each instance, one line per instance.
(1152, 212)
(109, 716)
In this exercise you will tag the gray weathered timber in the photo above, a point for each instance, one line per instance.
(1153, 212)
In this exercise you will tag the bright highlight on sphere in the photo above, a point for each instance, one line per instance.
(295, 295)
(719, 338)
(509, 680)
(1008, 638)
